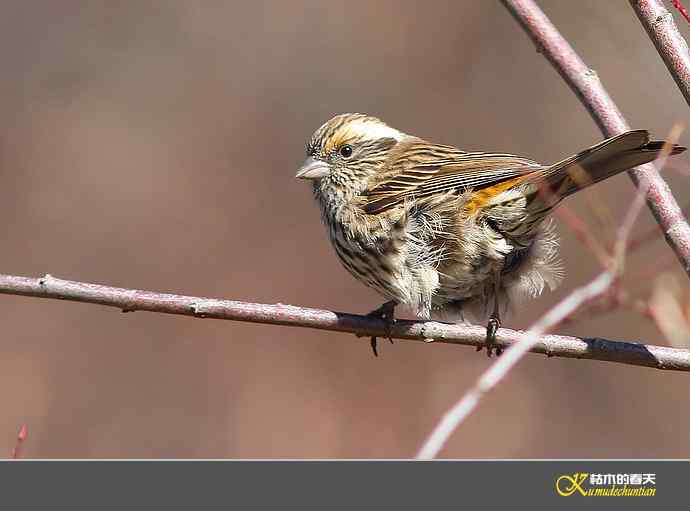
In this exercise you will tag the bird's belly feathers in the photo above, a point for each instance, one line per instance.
(411, 262)
(378, 263)
(525, 268)
(407, 268)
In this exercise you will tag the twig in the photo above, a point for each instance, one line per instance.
(586, 85)
(662, 30)
(129, 300)
(650, 234)
(583, 234)
(21, 437)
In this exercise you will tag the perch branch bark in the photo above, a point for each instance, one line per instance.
(129, 300)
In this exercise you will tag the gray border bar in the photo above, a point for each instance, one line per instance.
(323, 485)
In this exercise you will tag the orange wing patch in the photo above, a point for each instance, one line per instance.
(482, 197)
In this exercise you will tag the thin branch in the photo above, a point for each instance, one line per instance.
(583, 234)
(129, 300)
(650, 234)
(586, 85)
(662, 30)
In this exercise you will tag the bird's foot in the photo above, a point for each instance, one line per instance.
(490, 343)
(387, 313)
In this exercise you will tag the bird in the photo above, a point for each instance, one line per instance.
(448, 233)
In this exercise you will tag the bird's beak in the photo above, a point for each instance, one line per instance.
(312, 169)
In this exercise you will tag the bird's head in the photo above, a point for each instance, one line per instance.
(346, 152)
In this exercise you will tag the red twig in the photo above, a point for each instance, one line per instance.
(650, 235)
(679, 7)
(662, 30)
(586, 85)
(583, 234)
(21, 437)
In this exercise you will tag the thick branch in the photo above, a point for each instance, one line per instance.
(129, 300)
(662, 30)
(586, 85)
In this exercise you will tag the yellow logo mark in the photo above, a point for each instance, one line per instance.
(567, 485)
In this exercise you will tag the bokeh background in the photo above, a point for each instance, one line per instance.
(153, 145)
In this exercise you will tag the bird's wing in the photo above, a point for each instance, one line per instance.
(423, 169)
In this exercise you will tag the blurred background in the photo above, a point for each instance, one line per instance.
(153, 145)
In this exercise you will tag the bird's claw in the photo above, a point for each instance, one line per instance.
(492, 326)
(386, 313)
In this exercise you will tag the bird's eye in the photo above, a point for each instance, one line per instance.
(345, 151)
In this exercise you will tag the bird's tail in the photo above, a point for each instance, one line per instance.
(600, 162)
